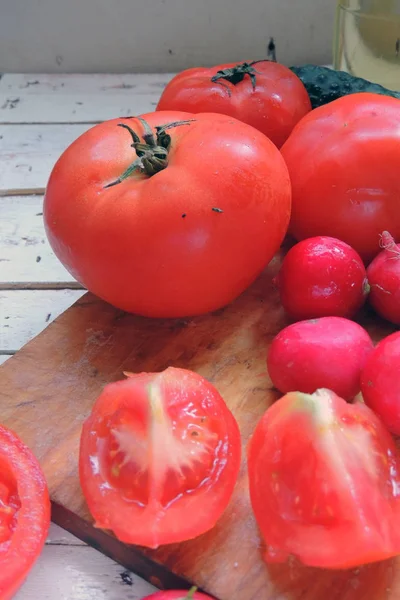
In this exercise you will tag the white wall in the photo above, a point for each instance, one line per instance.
(158, 35)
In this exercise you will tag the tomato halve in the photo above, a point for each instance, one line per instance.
(324, 482)
(159, 457)
(24, 512)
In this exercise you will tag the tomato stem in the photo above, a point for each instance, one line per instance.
(237, 73)
(152, 152)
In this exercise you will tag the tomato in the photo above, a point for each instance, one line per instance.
(159, 457)
(264, 94)
(343, 162)
(380, 381)
(183, 232)
(384, 280)
(322, 277)
(24, 512)
(178, 595)
(324, 482)
(320, 353)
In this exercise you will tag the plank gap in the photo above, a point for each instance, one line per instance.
(45, 285)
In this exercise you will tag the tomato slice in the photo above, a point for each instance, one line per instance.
(24, 512)
(324, 482)
(159, 457)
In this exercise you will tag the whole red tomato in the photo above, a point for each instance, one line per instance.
(322, 277)
(264, 94)
(159, 457)
(24, 512)
(177, 225)
(343, 162)
(324, 480)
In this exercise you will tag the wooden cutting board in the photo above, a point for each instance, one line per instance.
(48, 388)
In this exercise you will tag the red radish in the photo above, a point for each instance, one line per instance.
(179, 595)
(384, 279)
(320, 353)
(322, 277)
(380, 381)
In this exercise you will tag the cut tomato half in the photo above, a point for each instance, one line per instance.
(324, 482)
(24, 512)
(159, 457)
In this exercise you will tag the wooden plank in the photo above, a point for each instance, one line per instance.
(80, 573)
(60, 537)
(4, 357)
(29, 152)
(25, 313)
(16, 84)
(25, 254)
(85, 108)
(77, 98)
(91, 344)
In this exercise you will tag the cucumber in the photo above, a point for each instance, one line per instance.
(325, 85)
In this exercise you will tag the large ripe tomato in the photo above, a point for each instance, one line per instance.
(188, 228)
(264, 94)
(159, 457)
(324, 482)
(343, 162)
(24, 512)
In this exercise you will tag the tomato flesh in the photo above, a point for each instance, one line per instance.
(24, 512)
(325, 482)
(159, 457)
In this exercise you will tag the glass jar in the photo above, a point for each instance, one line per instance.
(367, 40)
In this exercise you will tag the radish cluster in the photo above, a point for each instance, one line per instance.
(322, 284)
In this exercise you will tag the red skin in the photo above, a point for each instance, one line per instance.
(321, 353)
(178, 256)
(178, 595)
(384, 279)
(322, 277)
(380, 382)
(343, 160)
(276, 104)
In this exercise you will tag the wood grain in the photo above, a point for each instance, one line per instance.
(29, 152)
(44, 306)
(48, 389)
(80, 573)
(26, 258)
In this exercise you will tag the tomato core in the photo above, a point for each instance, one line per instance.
(170, 455)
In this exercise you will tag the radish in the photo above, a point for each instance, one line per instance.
(320, 353)
(322, 277)
(380, 381)
(384, 279)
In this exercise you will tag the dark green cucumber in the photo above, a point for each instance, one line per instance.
(325, 85)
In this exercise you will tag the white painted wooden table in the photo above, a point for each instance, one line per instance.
(39, 116)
